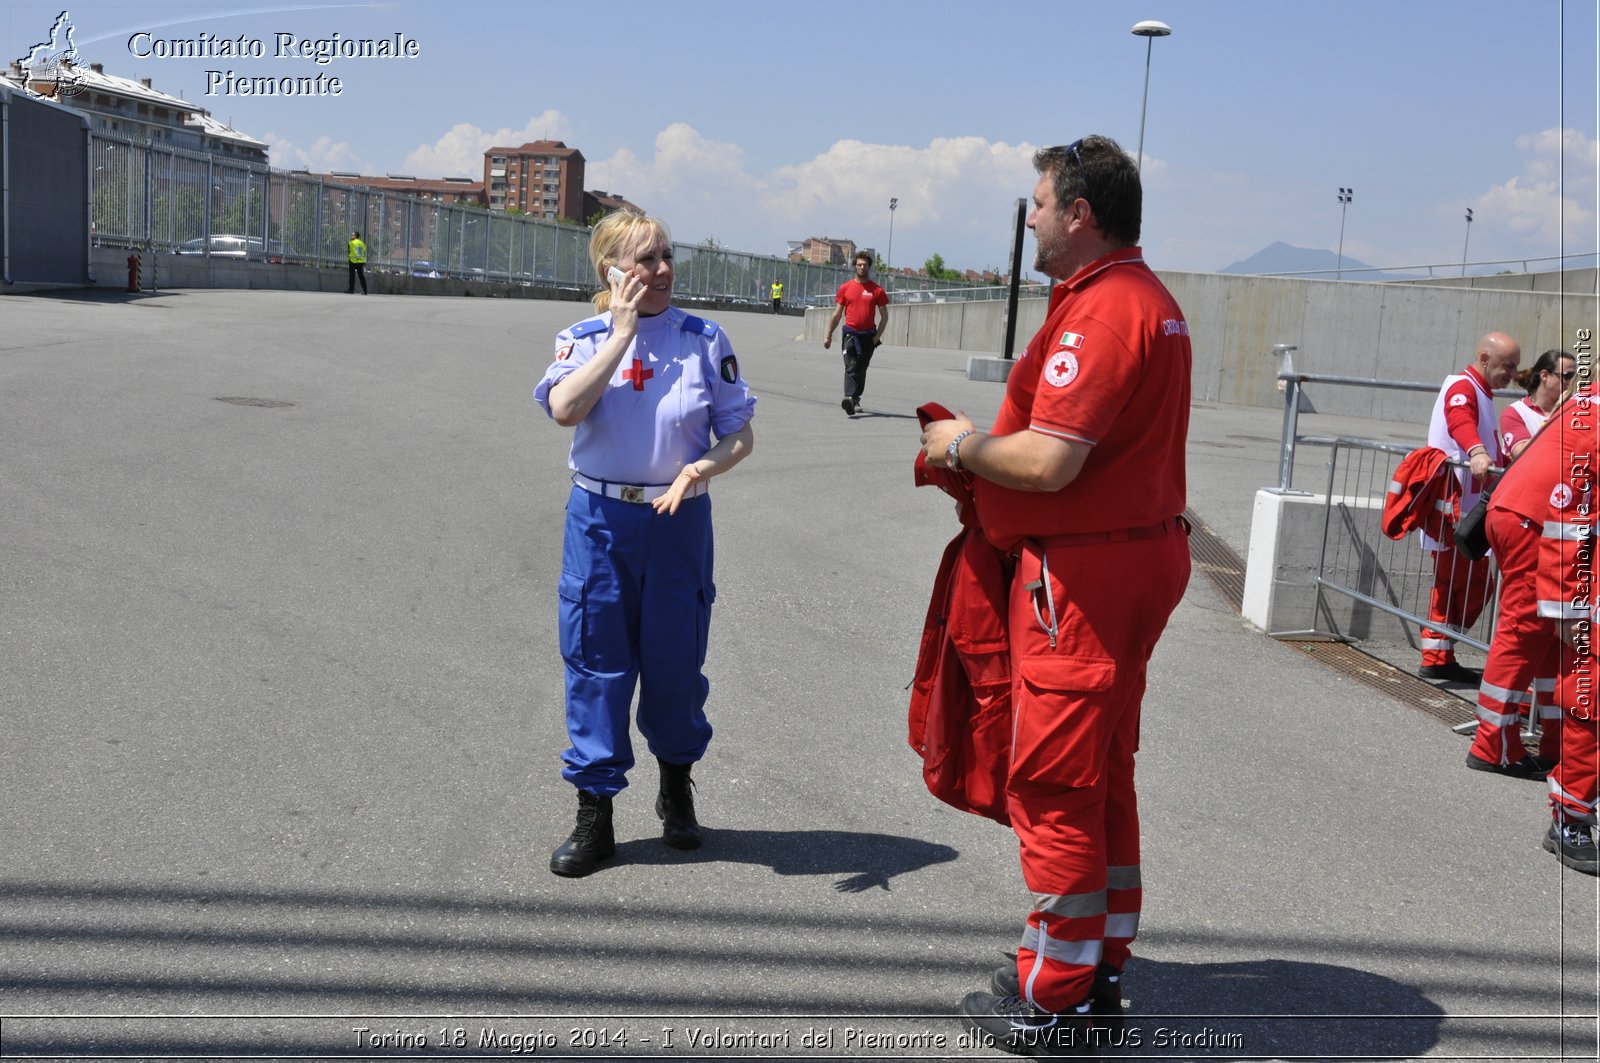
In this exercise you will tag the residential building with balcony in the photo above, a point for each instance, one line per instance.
(137, 111)
(542, 178)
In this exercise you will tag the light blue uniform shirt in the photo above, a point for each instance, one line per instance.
(677, 385)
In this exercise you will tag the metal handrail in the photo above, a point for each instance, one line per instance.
(1292, 382)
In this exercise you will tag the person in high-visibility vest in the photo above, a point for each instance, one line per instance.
(358, 264)
(777, 296)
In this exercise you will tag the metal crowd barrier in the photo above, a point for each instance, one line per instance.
(1356, 559)
(166, 199)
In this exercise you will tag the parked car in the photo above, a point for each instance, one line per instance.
(420, 268)
(225, 246)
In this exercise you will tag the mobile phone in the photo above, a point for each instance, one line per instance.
(615, 275)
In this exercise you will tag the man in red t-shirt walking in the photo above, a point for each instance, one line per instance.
(858, 297)
(1082, 479)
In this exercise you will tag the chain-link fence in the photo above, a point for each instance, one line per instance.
(168, 199)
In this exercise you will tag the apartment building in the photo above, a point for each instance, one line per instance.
(137, 111)
(438, 189)
(822, 251)
(542, 178)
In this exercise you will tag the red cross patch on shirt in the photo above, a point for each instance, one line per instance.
(638, 374)
(1061, 369)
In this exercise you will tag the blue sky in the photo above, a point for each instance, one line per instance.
(762, 123)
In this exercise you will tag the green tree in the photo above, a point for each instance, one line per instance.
(935, 268)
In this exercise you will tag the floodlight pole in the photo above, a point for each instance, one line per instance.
(1345, 196)
(1149, 30)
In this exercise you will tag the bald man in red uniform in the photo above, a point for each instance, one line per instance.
(1543, 515)
(1465, 426)
(1082, 478)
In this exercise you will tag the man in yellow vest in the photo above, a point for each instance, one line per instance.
(777, 296)
(358, 264)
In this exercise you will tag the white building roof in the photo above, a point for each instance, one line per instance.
(213, 127)
(91, 80)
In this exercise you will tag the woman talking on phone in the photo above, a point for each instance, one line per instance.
(659, 408)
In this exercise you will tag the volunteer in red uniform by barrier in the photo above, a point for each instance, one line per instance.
(1548, 500)
(1464, 425)
(1082, 477)
(1519, 677)
(1544, 381)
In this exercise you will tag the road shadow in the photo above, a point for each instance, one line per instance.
(865, 413)
(867, 861)
(1275, 1008)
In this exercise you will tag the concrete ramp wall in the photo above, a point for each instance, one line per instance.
(1351, 328)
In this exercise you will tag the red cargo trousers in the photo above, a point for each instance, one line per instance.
(1078, 683)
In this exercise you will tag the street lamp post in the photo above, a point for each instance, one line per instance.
(1149, 29)
(888, 256)
(1345, 196)
(1465, 242)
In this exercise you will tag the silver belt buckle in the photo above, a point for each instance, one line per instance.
(632, 494)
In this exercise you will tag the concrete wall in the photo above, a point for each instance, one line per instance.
(1349, 328)
(1280, 591)
(1576, 281)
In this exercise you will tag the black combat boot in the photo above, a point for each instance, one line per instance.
(591, 841)
(675, 806)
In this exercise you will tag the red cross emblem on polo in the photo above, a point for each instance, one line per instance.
(638, 374)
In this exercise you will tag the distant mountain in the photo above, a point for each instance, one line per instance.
(1285, 258)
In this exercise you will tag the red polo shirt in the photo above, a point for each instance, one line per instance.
(1110, 368)
(860, 300)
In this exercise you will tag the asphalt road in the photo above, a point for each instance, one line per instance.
(282, 715)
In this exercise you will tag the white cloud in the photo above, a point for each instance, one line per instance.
(1551, 203)
(955, 194)
(324, 156)
(459, 153)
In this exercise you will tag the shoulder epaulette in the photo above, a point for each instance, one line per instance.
(589, 326)
(699, 324)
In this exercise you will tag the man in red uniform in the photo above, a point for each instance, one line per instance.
(858, 297)
(1082, 477)
(1544, 510)
(1466, 427)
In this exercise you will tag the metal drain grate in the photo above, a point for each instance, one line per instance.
(1217, 560)
(1225, 570)
(271, 404)
(1381, 675)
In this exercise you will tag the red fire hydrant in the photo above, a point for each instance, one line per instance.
(133, 272)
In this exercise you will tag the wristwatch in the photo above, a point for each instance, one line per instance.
(952, 453)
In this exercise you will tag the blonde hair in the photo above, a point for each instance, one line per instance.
(614, 230)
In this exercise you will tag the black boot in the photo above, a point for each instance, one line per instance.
(675, 806)
(591, 841)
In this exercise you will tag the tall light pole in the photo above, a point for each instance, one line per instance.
(888, 256)
(1345, 196)
(1149, 29)
(1465, 242)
